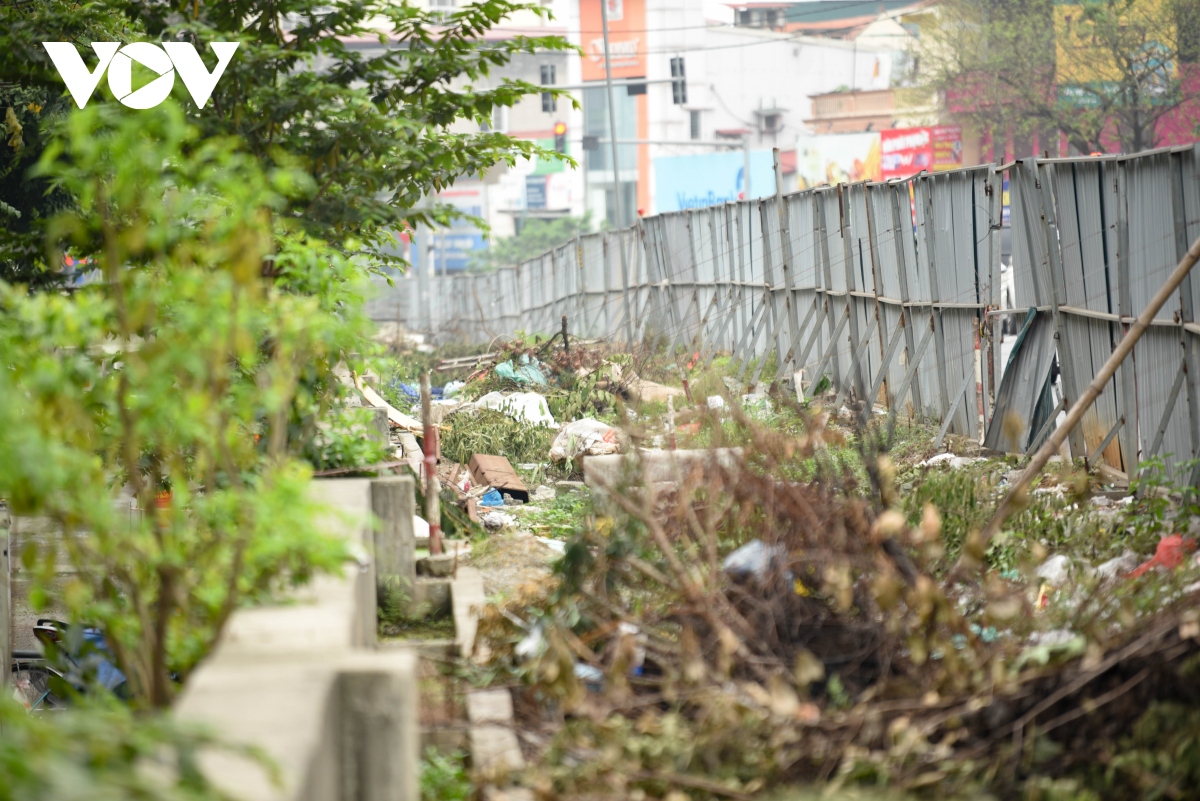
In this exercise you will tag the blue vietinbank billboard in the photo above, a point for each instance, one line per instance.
(706, 179)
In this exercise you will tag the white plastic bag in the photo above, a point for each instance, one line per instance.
(585, 437)
(527, 407)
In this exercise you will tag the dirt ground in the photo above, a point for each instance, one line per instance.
(510, 558)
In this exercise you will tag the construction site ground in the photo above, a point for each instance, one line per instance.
(866, 645)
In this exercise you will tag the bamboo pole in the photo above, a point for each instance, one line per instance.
(1078, 408)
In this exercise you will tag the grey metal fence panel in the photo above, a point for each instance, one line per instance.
(869, 270)
(1086, 272)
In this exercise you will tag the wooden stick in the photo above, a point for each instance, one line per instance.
(1076, 411)
(433, 510)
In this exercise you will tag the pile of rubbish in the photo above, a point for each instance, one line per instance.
(736, 629)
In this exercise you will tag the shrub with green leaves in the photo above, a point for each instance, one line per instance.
(195, 366)
(487, 431)
(346, 440)
(102, 750)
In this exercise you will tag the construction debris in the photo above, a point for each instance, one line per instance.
(497, 473)
(584, 437)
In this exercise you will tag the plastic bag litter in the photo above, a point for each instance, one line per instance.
(753, 559)
(1056, 571)
(495, 520)
(491, 498)
(526, 407)
(413, 391)
(526, 371)
(420, 528)
(585, 437)
(451, 389)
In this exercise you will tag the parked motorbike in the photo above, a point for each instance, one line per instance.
(73, 659)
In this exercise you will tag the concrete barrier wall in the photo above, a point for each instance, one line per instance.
(303, 683)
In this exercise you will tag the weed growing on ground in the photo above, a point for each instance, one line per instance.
(444, 777)
(561, 518)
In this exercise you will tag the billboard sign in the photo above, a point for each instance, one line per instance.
(452, 246)
(830, 159)
(706, 179)
(626, 38)
(535, 192)
(908, 151)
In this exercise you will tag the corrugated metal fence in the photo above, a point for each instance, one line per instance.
(886, 288)
(1093, 239)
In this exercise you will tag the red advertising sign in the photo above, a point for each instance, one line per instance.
(626, 38)
(947, 147)
(908, 151)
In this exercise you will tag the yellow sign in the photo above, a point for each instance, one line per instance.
(1084, 42)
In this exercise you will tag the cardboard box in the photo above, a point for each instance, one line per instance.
(495, 471)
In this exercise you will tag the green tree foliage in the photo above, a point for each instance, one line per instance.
(100, 751)
(32, 102)
(1100, 71)
(535, 238)
(375, 100)
(183, 371)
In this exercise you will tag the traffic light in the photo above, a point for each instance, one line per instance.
(560, 137)
(678, 82)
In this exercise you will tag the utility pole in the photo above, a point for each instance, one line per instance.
(612, 130)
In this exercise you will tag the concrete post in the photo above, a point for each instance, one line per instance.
(393, 502)
(379, 732)
(379, 424)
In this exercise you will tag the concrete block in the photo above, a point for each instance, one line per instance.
(393, 502)
(440, 566)
(494, 745)
(431, 596)
(285, 707)
(491, 793)
(321, 617)
(445, 739)
(379, 735)
(466, 601)
(349, 503)
(613, 470)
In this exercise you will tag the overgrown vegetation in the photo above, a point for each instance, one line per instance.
(195, 375)
(156, 380)
(444, 777)
(467, 433)
(102, 750)
(843, 658)
(346, 439)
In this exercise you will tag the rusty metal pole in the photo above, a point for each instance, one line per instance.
(566, 344)
(433, 510)
(1077, 409)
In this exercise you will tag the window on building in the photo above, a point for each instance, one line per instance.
(549, 101)
(442, 7)
(695, 124)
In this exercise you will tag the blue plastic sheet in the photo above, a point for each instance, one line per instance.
(413, 392)
(491, 498)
